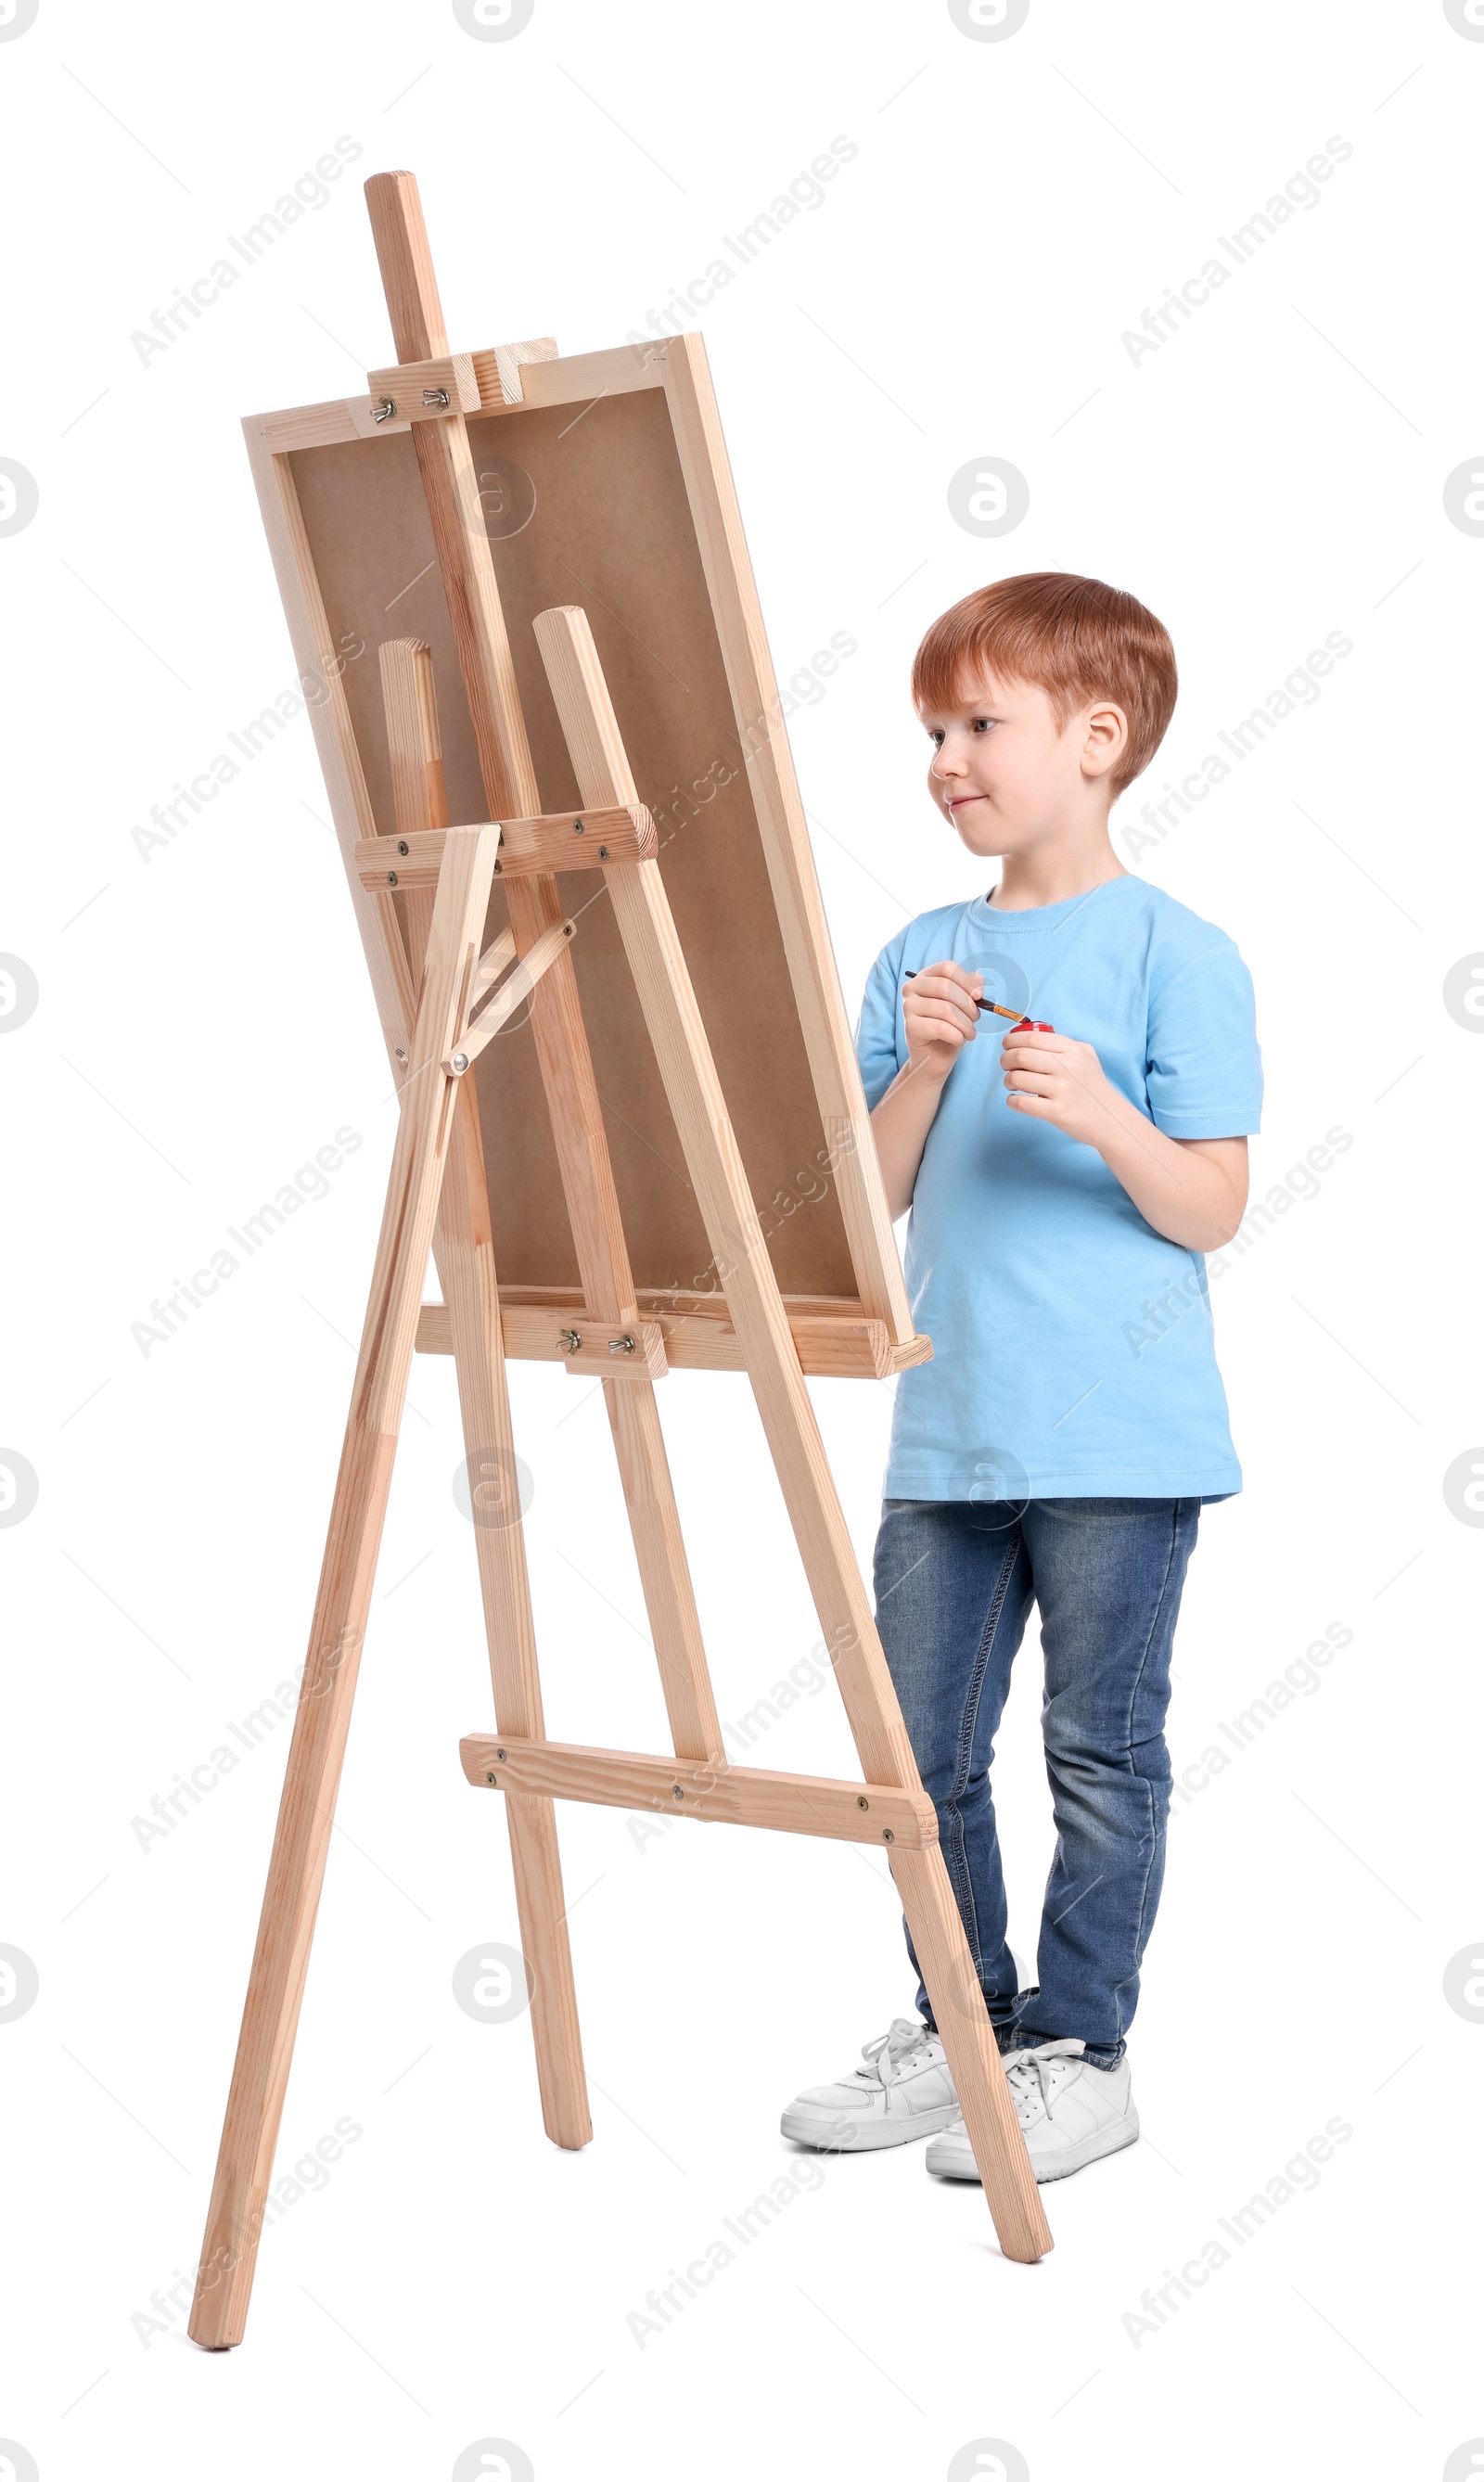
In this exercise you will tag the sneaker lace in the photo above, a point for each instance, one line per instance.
(884, 2056)
(1032, 2076)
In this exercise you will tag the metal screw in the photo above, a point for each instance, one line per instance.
(490, 1778)
(887, 1835)
(385, 412)
(579, 828)
(570, 1340)
(602, 853)
(434, 396)
(861, 1802)
(403, 845)
(391, 878)
(679, 1794)
(499, 1753)
(621, 1345)
(460, 1062)
(401, 1054)
(566, 927)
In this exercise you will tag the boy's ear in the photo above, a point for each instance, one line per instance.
(1105, 737)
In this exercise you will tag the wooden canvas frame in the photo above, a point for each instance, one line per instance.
(439, 983)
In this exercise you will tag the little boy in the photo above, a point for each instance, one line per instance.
(1059, 1446)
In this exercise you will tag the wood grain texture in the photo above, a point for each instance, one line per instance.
(499, 955)
(740, 1257)
(969, 2042)
(311, 426)
(575, 379)
(601, 1349)
(316, 1750)
(608, 489)
(744, 643)
(467, 571)
(606, 493)
(410, 704)
(452, 493)
(827, 1346)
(583, 378)
(850, 1813)
(499, 368)
(496, 1009)
(369, 418)
(406, 261)
(321, 675)
(463, 1245)
(566, 404)
(753, 1297)
(559, 840)
(465, 1255)
(407, 387)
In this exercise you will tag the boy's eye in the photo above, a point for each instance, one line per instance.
(983, 724)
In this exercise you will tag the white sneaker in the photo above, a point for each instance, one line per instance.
(905, 2091)
(1070, 2113)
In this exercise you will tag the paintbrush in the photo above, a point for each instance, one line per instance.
(1018, 1017)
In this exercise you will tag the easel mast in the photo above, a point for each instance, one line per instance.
(438, 1197)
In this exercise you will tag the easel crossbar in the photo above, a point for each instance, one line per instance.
(851, 1813)
(555, 840)
(694, 1336)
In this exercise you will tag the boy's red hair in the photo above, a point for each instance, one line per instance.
(1074, 637)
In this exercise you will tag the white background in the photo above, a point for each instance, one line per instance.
(1273, 473)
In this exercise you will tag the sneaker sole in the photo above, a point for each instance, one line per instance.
(1104, 2141)
(870, 2137)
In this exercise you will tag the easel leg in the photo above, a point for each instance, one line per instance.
(307, 1810)
(664, 1571)
(463, 1249)
(663, 983)
(465, 1261)
(972, 2053)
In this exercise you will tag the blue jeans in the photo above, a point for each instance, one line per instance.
(954, 1582)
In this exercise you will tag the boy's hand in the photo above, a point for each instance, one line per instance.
(1050, 1077)
(940, 1007)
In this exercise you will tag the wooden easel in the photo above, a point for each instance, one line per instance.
(422, 896)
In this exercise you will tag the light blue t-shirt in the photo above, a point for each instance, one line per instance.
(1073, 1353)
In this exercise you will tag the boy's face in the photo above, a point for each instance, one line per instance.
(1005, 774)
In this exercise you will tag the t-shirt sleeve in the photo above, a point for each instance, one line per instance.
(1203, 1075)
(881, 1048)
